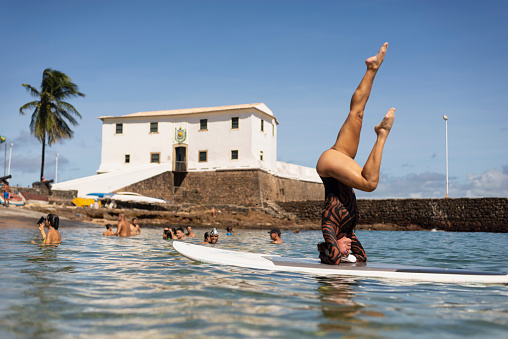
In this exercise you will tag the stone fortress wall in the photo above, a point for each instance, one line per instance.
(258, 189)
(250, 188)
(457, 215)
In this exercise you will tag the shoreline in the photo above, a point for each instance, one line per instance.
(197, 216)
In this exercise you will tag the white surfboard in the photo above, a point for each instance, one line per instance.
(213, 255)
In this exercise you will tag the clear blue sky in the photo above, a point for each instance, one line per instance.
(303, 59)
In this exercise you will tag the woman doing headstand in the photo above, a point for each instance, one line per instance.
(341, 173)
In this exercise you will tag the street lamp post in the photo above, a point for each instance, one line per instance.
(56, 169)
(446, 137)
(10, 156)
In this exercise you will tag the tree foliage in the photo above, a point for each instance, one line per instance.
(51, 115)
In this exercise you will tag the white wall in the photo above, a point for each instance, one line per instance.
(292, 171)
(218, 140)
(109, 182)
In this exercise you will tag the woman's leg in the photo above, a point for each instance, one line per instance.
(349, 135)
(338, 162)
(357, 249)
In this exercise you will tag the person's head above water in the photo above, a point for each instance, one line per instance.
(214, 236)
(274, 230)
(53, 220)
(179, 233)
(109, 226)
(275, 235)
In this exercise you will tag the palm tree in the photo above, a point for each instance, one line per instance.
(50, 113)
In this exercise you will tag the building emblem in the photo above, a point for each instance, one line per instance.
(180, 134)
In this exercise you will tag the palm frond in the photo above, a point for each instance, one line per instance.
(32, 91)
(29, 106)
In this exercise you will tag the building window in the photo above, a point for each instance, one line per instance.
(234, 123)
(273, 130)
(127, 158)
(154, 127)
(119, 128)
(262, 125)
(261, 155)
(203, 124)
(234, 154)
(155, 158)
(203, 156)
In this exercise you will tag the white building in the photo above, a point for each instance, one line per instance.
(142, 145)
(195, 139)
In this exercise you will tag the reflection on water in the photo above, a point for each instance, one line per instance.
(95, 286)
(337, 304)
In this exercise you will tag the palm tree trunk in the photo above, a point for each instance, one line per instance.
(43, 149)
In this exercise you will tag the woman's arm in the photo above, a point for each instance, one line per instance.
(43, 233)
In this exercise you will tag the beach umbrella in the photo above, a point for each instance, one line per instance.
(2, 139)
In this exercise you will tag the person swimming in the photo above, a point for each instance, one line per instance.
(275, 236)
(52, 222)
(214, 236)
(206, 239)
(109, 230)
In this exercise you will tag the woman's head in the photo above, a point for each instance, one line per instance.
(53, 220)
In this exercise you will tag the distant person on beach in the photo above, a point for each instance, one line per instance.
(53, 237)
(213, 212)
(214, 236)
(135, 230)
(109, 230)
(190, 234)
(7, 193)
(180, 235)
(206, 239)
(123, 227)
(340, 173)
(230, 231)
(275, 236)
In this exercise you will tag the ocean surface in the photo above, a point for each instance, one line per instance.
(93, 286)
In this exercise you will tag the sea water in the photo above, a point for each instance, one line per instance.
(92, 286)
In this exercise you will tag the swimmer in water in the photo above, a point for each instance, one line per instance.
(134, 226)
(123, 227)
(180, 235)
(53, 237)
(275, 236)
(109, 230)
(214, 236)
(206, 239)
(190, 234)
(340, 173)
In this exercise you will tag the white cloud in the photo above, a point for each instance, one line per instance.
(492, 183)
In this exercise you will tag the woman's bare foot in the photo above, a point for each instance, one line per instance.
(375, 62)
(384, 127)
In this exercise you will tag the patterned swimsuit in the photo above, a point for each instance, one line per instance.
(340, 215)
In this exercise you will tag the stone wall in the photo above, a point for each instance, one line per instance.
(466, 215)
(240, 187)
(43, 190)
(159, 186)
